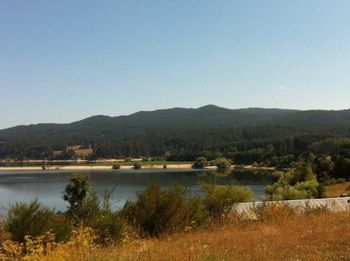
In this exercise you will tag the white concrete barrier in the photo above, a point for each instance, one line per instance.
(247, 210)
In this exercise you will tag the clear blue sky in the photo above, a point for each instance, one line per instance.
(61, 61)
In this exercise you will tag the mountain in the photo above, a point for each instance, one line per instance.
(104, 127)
(178, 130)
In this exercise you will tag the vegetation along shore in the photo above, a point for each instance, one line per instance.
(169, 224)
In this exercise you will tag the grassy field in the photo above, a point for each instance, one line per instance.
(317, 236)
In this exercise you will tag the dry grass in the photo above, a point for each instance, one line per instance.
(316, 237)
(4, 235)
(322, 236)
(337, 189)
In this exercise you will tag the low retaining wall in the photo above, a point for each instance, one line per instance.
(332, 204)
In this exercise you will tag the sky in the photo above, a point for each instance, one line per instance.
(62, 61)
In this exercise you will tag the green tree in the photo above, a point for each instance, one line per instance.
(342, 167)
(79, 195)
(302, 172)
(324, 168)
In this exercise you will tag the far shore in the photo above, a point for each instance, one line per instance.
(125, 167)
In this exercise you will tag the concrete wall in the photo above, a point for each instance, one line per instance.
(332, 204)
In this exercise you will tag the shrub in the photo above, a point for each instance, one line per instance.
(116, 166)
(287, 192)
(34, 219)
(31, 249)
(165, 166)
(219, 200)
(110, 228)
(222, 163)
(200, 163)
(157, 210)
(61, 227)
(299, 183)
(137, 165)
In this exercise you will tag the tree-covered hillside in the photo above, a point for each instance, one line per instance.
(244, 135)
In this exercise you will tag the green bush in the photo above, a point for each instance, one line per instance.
(299, 183)
(61, 227)
(157, 210)
(301, 190)
(34, 219)
(288, 192)
(219, 200)
(116, 166)
(222, 163)
(200, 163)
(110, 228)
(137, 165)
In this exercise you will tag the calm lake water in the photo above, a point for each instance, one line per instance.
(47, 186)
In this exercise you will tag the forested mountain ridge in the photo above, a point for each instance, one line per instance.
(211, 116)
(180, 132)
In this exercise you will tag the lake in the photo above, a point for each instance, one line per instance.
(47, 186)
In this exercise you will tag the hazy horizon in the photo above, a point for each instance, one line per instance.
(64, 61)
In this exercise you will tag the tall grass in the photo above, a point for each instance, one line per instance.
(317, 236)
(4, 234)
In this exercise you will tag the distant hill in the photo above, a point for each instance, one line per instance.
(177, 131)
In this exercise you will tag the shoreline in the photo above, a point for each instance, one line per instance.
(92, 167)
(127, 167)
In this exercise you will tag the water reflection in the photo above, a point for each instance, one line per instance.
(47, 186)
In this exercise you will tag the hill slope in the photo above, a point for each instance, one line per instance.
(178, 130)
